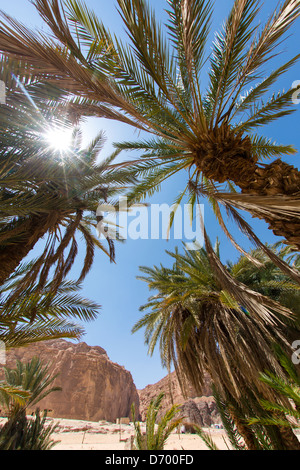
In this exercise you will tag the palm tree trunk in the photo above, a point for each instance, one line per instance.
(225, 156)
(13, 430)
(244, 431)
(12, 254)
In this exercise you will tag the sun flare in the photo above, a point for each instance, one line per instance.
(59, 139)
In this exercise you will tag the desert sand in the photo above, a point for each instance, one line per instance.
(87, 435)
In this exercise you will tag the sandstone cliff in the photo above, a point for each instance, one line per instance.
(93, 387)
(200, 410)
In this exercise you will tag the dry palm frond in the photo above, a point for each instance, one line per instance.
(45, 194)
(280, 211)
(15, 394)
(258, 305)
(204, 319)
(233, 201)
(60, 62)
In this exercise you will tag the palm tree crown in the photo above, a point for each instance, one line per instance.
(157, 82)
(200, 327)
(46, 192)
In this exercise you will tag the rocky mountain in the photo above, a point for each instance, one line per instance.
(93, 387)
(200, 410)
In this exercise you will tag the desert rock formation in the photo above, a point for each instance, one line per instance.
(93, 387)
(200, 410)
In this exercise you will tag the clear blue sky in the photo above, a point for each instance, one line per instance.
(115, 286)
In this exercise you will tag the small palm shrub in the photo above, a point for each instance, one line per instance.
(33, 377)
(156, 435)
(22, 433)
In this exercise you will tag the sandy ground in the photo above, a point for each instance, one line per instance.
(86, 435)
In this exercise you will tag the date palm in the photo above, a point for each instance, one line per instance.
(157, 85)
(33, 377)
(13, 394)
(28, 434)
(46, 193)
(157, 430)
(263, 433)
(19, 433)
(199, 327)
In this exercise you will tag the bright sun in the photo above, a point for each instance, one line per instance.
(59, 139)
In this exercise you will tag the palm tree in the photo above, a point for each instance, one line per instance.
(33, 434)
(245, 434)
(157, 82)
(157, 431)
(200, 327)
(42, 314)
(9, 393)
(261, 432)
(32, 377)
(19, 433)
(46, 193)
(190, 306)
